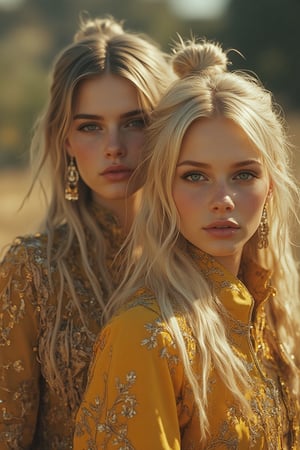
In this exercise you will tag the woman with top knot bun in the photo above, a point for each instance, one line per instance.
(55, 284)
(201, 344)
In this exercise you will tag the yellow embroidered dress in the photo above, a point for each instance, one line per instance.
(138, 397)
(34, 415)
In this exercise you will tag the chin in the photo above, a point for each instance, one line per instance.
(115, 195)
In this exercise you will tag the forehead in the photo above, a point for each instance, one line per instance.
(221, 138)
(107, 94)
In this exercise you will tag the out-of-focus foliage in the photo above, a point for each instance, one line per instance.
(31, 35)
(267, 32)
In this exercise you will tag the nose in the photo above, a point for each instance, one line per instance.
(222, 200)
(114, 147)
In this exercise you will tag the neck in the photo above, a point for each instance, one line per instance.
(124, 209)
(231, 263)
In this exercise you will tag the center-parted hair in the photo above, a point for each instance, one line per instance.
(101, 46)
(158, 258)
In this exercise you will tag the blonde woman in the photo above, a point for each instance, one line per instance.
(201, 348)
(54, 285)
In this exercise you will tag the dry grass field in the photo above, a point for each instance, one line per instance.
(14, 221)
(14, 184)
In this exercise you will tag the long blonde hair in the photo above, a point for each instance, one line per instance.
(157, 255)
(100, 46)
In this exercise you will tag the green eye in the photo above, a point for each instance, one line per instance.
(136, 123)
(245, 176)
(89, 127)
(193, 177)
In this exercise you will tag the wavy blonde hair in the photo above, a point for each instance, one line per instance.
(158, 258)
(100, 46)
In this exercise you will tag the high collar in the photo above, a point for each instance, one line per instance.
(238, 297)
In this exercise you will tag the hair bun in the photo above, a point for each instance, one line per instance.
(203, 57)
(108, 27)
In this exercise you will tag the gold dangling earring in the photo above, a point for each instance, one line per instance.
(263, 230)
(72, 178)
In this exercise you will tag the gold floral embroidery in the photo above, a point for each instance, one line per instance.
(113, 428)
(231, 429)
(28, 308)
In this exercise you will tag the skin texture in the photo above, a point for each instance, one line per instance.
(220, 189)
(106, 138)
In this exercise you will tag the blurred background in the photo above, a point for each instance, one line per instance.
(32, 32)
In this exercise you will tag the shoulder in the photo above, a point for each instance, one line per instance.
(137, 337)
(142, 308)
(25, 262)
(22, 266)
(31, 248)
(140, 320)
(23, 246)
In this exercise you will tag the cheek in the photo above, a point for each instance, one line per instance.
(134, 144)
(137, 156)
(88, 162)
(253, 207)
(84, 156)
(185, 202)
(86, 151)
(83, 142)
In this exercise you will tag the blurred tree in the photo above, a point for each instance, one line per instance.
(22, 83)
(34, 32)
(267, 32)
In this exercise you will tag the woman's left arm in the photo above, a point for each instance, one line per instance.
(131, 396)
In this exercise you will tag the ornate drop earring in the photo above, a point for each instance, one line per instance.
(72, 178)
(263, 230)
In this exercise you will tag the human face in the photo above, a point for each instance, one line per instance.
(220, 188)
(106, 136)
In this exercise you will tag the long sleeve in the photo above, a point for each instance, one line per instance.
(134, 383)
(139, 396)
(19, 368)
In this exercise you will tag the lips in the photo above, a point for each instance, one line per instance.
(220, 225)
(116, 169)
(222, 229)
(117, 173)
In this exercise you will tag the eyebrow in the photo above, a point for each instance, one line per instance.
(247, 162)
(135, 112)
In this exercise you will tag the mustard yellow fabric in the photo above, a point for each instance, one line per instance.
(33, 414)
(138, 397)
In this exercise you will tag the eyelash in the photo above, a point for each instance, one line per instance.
(187, 176)
(138, 122)
(246, 172)
(201, 177)
(132, 123)
(88, 127)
